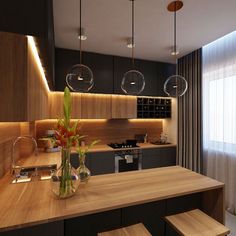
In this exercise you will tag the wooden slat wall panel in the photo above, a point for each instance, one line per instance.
(124, 106)
(13, 84)
(38, 95)
(110, 130)
(56, 105)
(9, 131)
(95, 106)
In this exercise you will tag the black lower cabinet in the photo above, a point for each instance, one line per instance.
(158, 157)
(150, 214)
(101, 162)
(92, 224)
(49, 229)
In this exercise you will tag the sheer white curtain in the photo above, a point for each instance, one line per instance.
(219, 114)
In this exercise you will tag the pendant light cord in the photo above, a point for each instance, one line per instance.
(175, 37)
(80, 31)
(132, 33)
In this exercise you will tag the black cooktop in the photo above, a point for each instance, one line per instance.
(122, 145)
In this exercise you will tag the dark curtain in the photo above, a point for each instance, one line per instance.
(189, 153)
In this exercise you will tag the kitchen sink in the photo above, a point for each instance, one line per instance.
(33, 173)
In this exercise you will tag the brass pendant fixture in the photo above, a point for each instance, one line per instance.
(80, 77)
(175, 85)
(133, 81)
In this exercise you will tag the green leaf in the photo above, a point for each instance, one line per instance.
(67, 107)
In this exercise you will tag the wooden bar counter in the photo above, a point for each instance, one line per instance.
(128, 198)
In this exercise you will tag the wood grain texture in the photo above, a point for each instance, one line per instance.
(196, 223)
(37, 94)
(56, 105)
(8, 133)
(137, 229)
(95, 106)
(13, 75)
(32, 203)
(124, 106)
(108, 131)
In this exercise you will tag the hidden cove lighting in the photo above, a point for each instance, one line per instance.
(34, 50)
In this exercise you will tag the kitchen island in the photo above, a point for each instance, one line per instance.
(109, 201)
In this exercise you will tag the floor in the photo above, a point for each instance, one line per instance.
(231, 223)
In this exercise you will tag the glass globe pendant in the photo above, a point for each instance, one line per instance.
(175, 85)
(133, 81)
(80, 77)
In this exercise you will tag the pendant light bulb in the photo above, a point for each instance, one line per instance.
(133, 81)
(175, 85)
(80, 77)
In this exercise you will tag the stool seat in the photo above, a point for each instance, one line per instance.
(196, 223)
(133, 230)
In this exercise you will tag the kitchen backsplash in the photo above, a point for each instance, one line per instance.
(108, 131)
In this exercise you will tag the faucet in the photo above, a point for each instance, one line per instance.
(14, 168)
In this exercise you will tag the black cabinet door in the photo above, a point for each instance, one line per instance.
(102, 68)
(101, 162)
(49, 229)
(150, 214)
(149, 158)
(164, 70)
(91, 225)
(149, 70)
(64, 60)
(121, 66)
(158, 157)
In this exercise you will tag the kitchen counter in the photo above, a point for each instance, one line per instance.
(33, 203)
(45, 158)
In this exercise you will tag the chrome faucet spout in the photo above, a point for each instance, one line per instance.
(13, 164)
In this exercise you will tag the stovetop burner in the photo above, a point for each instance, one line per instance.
(122, 145)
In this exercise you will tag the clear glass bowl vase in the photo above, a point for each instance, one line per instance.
(83, 172)
(65, 180)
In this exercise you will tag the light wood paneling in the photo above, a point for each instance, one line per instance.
(56, 105)
(108, 131)
(9, 131)
(124, 106)
(37, 94)
(13, 60)
(132, 230)
(95, 106)
(196, 223)
(32, 203)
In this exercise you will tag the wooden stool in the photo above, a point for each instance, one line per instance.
(133, 230)
(196, 223)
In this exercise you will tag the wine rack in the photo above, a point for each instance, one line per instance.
(153, 108)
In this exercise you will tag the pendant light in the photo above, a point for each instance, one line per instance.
(133, 81)
(80, 77)
(175, 85)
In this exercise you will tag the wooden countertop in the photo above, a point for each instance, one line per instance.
(28, 204)
(45, 158)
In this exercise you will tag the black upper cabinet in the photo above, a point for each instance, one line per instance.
(164, 70)
(121, 66)
(64, 60)
(149, 70)
(108, 71)
(101, 66)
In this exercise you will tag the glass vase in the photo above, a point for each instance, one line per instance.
(65, 181)
(83, 172)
